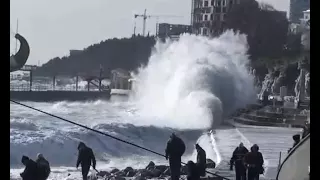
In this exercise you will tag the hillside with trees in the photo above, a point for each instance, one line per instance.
(126, 53)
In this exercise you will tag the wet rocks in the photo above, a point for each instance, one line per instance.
(151, 171)
(210, 163)
(103, 173)
(114, 170)
(151, 165)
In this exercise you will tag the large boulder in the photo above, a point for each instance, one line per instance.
(120, 173)
(156, 172)
(131, 173)
(114, 170)
(162, 168)
(127, 169)
(103, 173)
(139, 178)
(210, 163)
(184, 170)
(115, 178)
(167, 172)
(151, 165)
(144, 173)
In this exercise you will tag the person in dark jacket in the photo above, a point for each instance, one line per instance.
(237, 160)
(30, 171)
(174, 150)
(85, 158)
(306, 129)
(254, 162)
(201, 160)
(193, 171)
(296, 140)
(43, 167)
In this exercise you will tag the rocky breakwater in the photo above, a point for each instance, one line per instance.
(151, 171)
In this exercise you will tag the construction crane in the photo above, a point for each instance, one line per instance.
(145, 16)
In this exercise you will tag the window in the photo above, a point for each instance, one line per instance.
(230, 2)
(211, 17)
(218, 10)
(206, 17)
(217, 17)
(218, 3)
(224, 3)
(224, 10)
(206, 3)
(212, 2)
(204, 31)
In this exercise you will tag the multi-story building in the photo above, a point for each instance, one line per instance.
(208, 16)
(296, 9)
(165, 30)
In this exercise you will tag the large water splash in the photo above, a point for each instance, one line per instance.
(195, 81)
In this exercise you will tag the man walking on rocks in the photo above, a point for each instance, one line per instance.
(174, 150)
(85, 158)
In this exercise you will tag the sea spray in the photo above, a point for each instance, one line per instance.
(196, 81)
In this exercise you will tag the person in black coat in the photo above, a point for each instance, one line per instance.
(174, 150)
(254, 162)
(193, 171)
(237, 160)
(30, 171)
(85, 158)
(43, 167)
(201, 160)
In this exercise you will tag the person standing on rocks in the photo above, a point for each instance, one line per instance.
(201, 160)
(30, 171)
(43, 167)
(237, 160)
(85, 158)
(174, 150)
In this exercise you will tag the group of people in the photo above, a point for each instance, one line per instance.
(241, 158)
(35, 170)
(247, 163)
(40, 169)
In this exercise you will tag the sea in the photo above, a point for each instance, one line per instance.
(188, 87)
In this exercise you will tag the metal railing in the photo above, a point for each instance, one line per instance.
(26, 87)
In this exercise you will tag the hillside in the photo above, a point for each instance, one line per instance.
(126, 53)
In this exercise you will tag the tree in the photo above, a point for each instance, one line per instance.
(266, 29)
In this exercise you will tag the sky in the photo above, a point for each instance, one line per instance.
(53, 27)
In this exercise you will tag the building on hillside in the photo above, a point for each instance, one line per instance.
(208, 16)
(165, 30)
(296, 10)
(302, 25)
(306, 18)
(120, 79)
